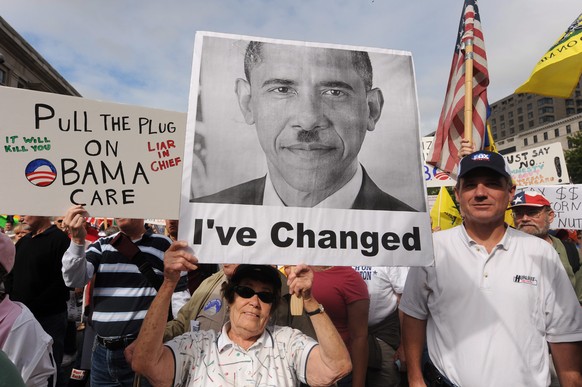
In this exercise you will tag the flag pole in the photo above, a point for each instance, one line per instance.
(469, 90)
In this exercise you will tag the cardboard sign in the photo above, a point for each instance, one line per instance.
(116, 160)
(541, 165)
(566, 202)
(303, 152)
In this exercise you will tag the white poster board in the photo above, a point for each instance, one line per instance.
(268, 155)
(566, 202)
(542, 165)
(117, 160)
(535, 166)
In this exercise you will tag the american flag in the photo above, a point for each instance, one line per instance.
(444, 152)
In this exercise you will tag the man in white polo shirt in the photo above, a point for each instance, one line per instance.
(494, 299)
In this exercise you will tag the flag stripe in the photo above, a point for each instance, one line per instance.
(444, 153)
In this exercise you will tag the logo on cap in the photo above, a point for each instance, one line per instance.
(481, 156)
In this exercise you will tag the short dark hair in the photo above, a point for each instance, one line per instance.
(360, 61)
(262, 273)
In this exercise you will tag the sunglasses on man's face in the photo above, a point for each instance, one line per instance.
(246, 292)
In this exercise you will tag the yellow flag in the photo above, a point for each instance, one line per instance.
(558, 72)
(509, 218)
(489, 143)
(444, 213)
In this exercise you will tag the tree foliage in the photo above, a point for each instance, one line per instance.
(574, 158)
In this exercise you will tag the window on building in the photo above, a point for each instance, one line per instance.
(529, 106)
(2, 77)
(525, 142)
(502, 125)
(546, 119)
(568, 129)
(493, 121)
(530, 124)
(519, 110)
(545, 101)
(520, 119)
(577, 93)
(511, 123)
(512, 130)
(530, 115)
(569, 102)
(502, 118)
(510, 115)
(580, 125)
(535, 138)
(570, 144)
(570, 111)
(502, 133)
(557, 132)
(520, 127)
(545, 136)
(546, 109)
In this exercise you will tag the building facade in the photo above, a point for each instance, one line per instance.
(23, 67)
(522, 121)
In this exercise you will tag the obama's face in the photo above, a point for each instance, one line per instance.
(311, 109)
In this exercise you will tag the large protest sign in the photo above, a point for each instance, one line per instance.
(116, 160)
(303, 152)
(539, 166)
(566, 202)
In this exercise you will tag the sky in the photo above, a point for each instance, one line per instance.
(139, 52)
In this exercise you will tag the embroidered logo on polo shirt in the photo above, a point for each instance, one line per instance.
(525, 279)
(212, 307)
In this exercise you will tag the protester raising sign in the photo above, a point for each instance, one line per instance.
(116, 160)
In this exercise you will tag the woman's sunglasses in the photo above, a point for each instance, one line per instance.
(246, 292)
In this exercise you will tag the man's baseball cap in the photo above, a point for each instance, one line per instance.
(7, 252)
(263, 273)
(530, 199)
(484, 159)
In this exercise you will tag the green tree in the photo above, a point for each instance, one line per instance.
(574, 157)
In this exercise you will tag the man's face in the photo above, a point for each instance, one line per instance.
(34, 222)
(533, 220)
(311, 112)
(129, 226)
(172, 227)
(483, 196)
(59, 223)
(249, 316)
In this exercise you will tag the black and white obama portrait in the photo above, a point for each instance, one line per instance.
(306, 125)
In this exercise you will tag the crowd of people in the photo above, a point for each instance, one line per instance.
(499, 306)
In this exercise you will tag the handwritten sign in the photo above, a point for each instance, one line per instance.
(541, 165)
(566, 202)
(116, 160)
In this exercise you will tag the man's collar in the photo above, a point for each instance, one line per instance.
(342, 198)
(502, 244)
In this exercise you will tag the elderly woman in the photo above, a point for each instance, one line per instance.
(246, 352)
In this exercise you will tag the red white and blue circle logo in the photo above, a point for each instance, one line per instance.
(41, 172)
